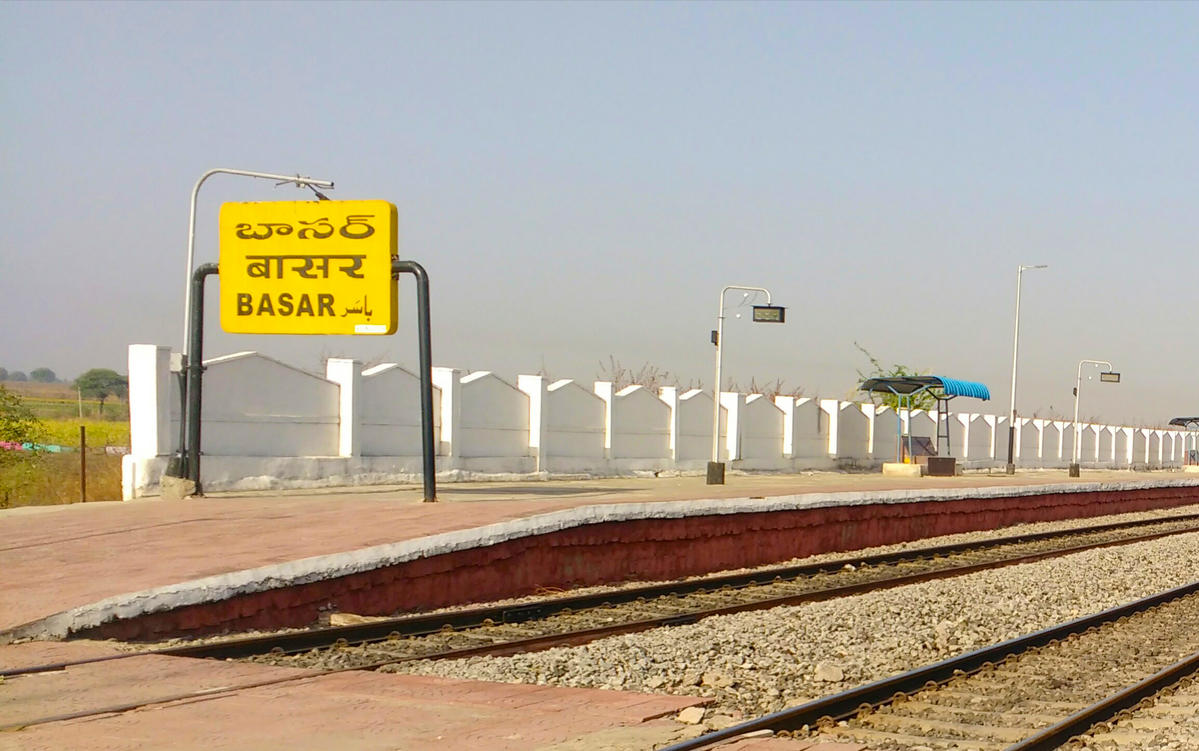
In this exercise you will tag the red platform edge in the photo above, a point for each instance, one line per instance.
(642, 550)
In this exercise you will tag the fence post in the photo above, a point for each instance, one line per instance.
(83, 464)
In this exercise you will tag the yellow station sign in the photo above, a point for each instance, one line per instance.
(308, 267)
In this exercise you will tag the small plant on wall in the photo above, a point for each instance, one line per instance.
(924, 400)
(648, 376)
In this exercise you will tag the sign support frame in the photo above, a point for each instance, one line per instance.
(195, 372)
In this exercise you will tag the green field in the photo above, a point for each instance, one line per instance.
(45, 478)
(99, 433)
(66, 409)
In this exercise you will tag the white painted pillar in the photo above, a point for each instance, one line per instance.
(348, 375)
(734, 405)
(1060, 431)
(787, 405)
(871, 418)
(1040, 425)
(832, 409)
(149, 401)
(535, 387)
(964, 421)
(670, 395)
(603, 389)
(449, 380)
(994, 423)
(1020, 423)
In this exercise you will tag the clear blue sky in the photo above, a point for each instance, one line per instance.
(581, 179)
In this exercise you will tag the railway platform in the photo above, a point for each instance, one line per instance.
(153, 568)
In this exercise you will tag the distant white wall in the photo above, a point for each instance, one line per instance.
(1064, 454)
(254, 405)
(640, 424)
(574, 425)
(977, 436)
(1088, 443)
(693, 426)
(1107, 444)
(494, 424)
(391, 412)
(884, 429)
(810, 425)
(761, 441)
(1028, 443)
(847, 443)
(267, 424)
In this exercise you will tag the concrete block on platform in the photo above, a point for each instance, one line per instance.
(899, 469)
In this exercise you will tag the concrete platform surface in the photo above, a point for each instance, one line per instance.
(56, 558)
(206, 704)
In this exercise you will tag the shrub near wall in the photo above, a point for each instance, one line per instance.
(53, 478)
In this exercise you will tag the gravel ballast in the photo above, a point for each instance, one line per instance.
(759, 662)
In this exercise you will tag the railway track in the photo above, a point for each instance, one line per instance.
(575, 620)
(356, 647)
(1029, 694)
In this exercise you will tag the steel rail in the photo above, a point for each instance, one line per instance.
(1101, 711)
(848, 703)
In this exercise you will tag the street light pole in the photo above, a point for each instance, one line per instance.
(177, 466)
(1011, 426)
(715, 467)
(191, 226)
(1077, 453)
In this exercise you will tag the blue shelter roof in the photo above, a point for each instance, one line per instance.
(947, 387)
(955, 387)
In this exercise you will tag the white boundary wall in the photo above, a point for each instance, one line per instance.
(267, 425)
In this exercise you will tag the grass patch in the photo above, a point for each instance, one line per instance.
(46, 479)
(53, 479)
(38, 478)
(68, 409)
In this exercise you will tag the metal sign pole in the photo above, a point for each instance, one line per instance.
(428, 449)
(195, 372)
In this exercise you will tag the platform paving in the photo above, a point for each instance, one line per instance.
(206, 704)
(56, 558)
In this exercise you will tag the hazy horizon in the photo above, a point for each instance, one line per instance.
(580, 180)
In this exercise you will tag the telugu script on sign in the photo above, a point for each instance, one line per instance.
(308, 267)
